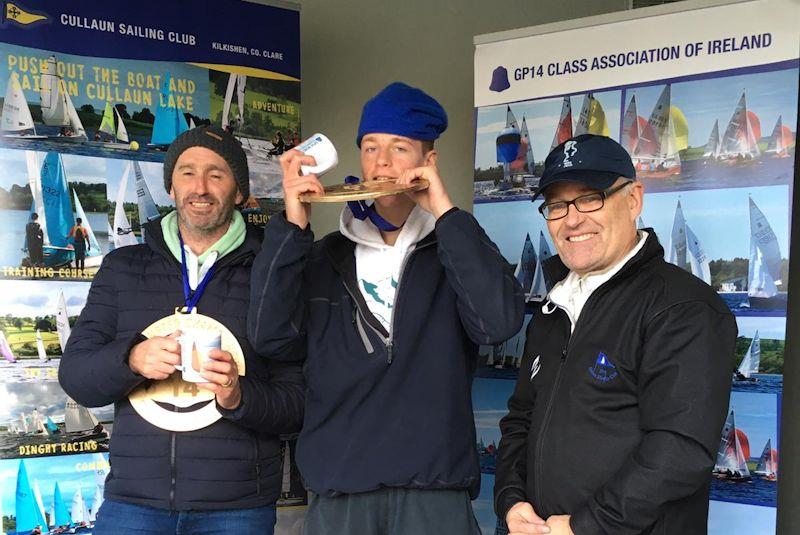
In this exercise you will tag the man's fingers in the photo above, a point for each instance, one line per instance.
(169, 357)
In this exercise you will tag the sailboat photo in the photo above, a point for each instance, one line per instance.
(122, 235)
(564, 127)
(51, 201)
(750, 363)
(16, 120)
(169, 121)
(57, 107)
(236, 84)
(764, 269)
(117, 136)
(592, 119)
(731, 462)
(5, 350)
(781, 141)
(768, 463)
(515, 155)
(740, 140)
(657, 146)
(685, 250)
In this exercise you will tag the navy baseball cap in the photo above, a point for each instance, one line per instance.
(597, 161)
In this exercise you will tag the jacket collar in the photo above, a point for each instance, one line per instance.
(154, 238)
(556, 271)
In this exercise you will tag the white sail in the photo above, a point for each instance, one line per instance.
(122, 132)
(52, 520)
(739, 138)
(97, 501)
(767, 463)
(54, 106)
(752, 358)
(40, 347)
(676, 251)
(5, 349)
(62, 321)
(240, 81)
(123, 234)
(94, 245)
(35, 184)
(144, 199)
(236, 82)
(526, 267)
(630, 128)
(37, 423)
(72, 113)
(16, 114)
(37, 494)
(191, 123)
(730, 456)
(698, 261)
(539, 288)
(764, 271)
(78, 513)
(778, 143)
(78, 418)
(713, 146)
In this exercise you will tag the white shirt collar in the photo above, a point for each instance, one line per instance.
(572, 293)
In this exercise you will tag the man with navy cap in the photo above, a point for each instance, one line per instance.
(614, 423)
(390, 311)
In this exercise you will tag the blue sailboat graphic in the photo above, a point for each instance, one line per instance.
(57, 211)
(26, 509)
(169, 122)
(60, 510)
(603, 370)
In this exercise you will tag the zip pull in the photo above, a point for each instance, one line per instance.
(389, 355)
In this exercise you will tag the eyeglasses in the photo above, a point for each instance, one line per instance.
(584, 204)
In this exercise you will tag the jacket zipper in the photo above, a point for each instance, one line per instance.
(172, 471)
(538, 460)
(388, 341)
(258, 466)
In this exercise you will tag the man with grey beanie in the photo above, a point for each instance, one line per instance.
(207, 461)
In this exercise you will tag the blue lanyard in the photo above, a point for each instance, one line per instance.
(361, 210)
(191, 298)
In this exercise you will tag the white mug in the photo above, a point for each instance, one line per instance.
(196, 344)
(323, 151)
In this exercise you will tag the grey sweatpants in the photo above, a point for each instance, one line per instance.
(392, 512)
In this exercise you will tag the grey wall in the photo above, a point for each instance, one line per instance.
(351, 49)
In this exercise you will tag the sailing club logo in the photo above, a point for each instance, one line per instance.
(499, 81)
(535, 366)
(603, 370)
(570, 150)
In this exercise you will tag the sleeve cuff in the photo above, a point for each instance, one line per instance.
(583, 522)
(240, 412)
(447, 214)
(507, 499)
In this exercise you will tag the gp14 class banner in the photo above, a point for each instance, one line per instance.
(705, 102)
(92, 95)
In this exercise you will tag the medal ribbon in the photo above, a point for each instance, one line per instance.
(361, 210)
(192, 297)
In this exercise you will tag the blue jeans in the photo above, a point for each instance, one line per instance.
(122, 518)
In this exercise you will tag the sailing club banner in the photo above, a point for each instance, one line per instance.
(703, 95)
(92, 95)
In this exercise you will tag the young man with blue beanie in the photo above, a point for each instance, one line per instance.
(389, 312)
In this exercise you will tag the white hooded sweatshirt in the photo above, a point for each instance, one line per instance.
(378, 265)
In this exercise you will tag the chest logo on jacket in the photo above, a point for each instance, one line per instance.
(603, 370)
(535, 366)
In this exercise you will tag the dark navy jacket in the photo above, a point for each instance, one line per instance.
(231, 464)
(385, 409)
(617, 423)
